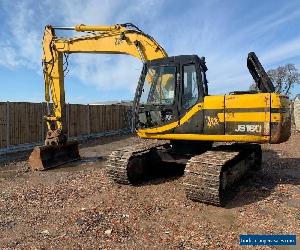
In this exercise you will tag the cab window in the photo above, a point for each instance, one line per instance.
(190, 92)
(159, 85)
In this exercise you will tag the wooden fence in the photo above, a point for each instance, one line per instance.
(22, 122)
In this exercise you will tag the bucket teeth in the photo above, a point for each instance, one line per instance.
(50, 156)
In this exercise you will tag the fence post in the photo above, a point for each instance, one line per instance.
(88, 120)
(68, 119)
(42, 122)
(7, 124)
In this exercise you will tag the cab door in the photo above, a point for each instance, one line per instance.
(191, 96)
(159, 97)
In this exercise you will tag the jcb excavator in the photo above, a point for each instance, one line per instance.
(172, 107)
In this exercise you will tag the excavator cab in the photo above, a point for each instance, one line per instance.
(168, 89)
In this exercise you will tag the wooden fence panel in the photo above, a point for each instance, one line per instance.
(108, 118)
(2, 124)
(103, 121)
(27, 124)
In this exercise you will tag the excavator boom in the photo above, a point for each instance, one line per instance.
(116, 39)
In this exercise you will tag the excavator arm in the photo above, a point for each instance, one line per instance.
(117, 39)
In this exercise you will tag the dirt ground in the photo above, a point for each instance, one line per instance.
(78, 207)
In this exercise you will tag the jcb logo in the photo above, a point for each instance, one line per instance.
(249, 128)
(212, 121)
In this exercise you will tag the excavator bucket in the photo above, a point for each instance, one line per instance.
(45, 157)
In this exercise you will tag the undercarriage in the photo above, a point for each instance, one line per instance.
(210, 170)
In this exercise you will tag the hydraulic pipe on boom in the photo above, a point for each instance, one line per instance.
(116, 39)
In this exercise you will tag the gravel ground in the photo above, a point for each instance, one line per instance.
(78, 207)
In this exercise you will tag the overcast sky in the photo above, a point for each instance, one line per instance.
(222, 31)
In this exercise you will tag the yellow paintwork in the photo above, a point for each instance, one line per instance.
(113, 39)
(202, 137)
(214, 102)
(249, 117)
(260, 100)
(111, 43)
(53, 75)
(82, 28)
(229, 108)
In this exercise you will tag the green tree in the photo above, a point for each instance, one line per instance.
(253, 87)
(284, 78)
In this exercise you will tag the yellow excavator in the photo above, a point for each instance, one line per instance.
(217, 137)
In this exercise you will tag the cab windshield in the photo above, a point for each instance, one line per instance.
(159, 85)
